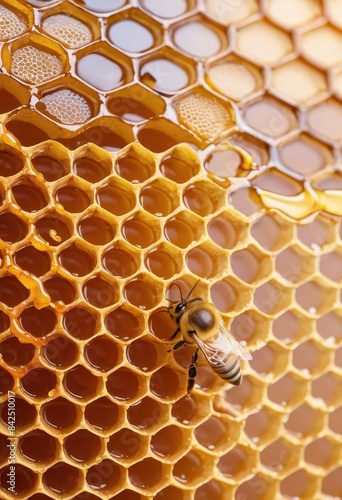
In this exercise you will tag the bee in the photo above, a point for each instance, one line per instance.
(201, 324)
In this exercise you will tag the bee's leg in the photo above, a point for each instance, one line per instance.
(178, 346)
(174, 334)
(192, 373)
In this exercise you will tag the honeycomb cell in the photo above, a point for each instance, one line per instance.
(330, 265)
(146, 474)
(53, 228)
(270, 117)
(316, 234)
(166, 383)
(65, 106)
(60, 289)
(169, 493)
(127, 444)
(325, 121)
(82, 446)
(118, 200)
(315, 297)
(81, 323)
(7, 381)
(322, 45)
(167, 11)
(170, 442)
(59, 413)
(67, 29)
(81, 383)
(10, 164)
(247, 395)
(331, 483)
(142, 292)
(232, 12)
(12, 292)
(216, 434)
(38, 322)
(288, 391)
(250, 326)
(159, 198)
(272, 298)
(91, 169)
(183, 229)
(281, 456)
(311, 357)
(15, 353)
(206, 262)
(25, 479)
(258, 487)
(159, 262)
(326, 388)
(173, 166)
(323, 452)
(225, 230)
(299, 483)
(270, 360)
(263, 43)
(305, 421)
(329, 326)
(124, 324)
(190, 411)
(250, 265)
(246, 201)
(297, 13)
(12, 228)
(72, 199)
(12, 24)
(199, 38)
(33, 261)
(50, 168)
(335, 420)
(76, 261)
(102, 414)
(167, 72)
(4, 322)
(140, 231)
(144, 354)
(200, 198)
(226, 294)
(294, 265)
(62, 479)
(106, 6)
(237, 463)
(38, 446)
(25, 412)
(188, 468)
(29, 196)
(124, 384)
(99, 292)
(161, 134)
(147, 415)
(262, 425)
(271, 232)
(39, 382)
(60, 352)
(298, 81)
(234, 78)
(101, 353)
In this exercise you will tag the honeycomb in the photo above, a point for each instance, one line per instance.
(148, 143)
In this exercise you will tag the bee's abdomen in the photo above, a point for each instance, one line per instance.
(230, 370)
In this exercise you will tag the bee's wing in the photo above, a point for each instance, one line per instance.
(222, 346)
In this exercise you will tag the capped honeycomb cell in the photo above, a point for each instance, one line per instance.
(295, 14)
(321, 46)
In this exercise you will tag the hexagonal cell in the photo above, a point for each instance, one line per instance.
(124, 323)
(294, 265)
(35, 59)
(271, 297)
(263, 425)
(191, 411)
(167, 71)
(335, 421)
(38, 446)
(116, 68)
(82, 446)
(148, 474)
(199, 37)
(311, 357)
(145, 354)
(184, 228)
(288, 391)
(72, 197)
(229, 294)
(251, 327)
(180, 165)
(26, 414)
(331, 264)
(116, 197)
(52, 161)
(103, 415)
(247, 396)
(135, 164)
(171, 442)
(68, 103)
(228, 161)
(271, 232)
(214, 490)
(203, 197)
(133, 31)
(258, 487)
(329, 326)
(105, 7)
(310, 82)
(217, 434)
(206, 261)
(281, 456)
(271, 359)
(227, 231)
(12, 228)
(72, 28)
(95, 230)
(38, 322)
(167, 11)
(250, 265)
(125, 385)
(144, 291)
(148, 415)
(256, 148)
(164, 261)
(234, 77)
(189, 469)
(304, 155)
(317, 234)
(231, 13)
(26, 479)
(120, 261)
(60, 352)
(76, 260)
(29, 196)
(59, 414)
(16, 19)
(238, 463)
(263, 43)
(189, 108)
(161, 134)
(159, 198)
(102, 353)
(135, 103)
(300, 483)
(92, 163)
(325, 121)
(297, 13)
(7, 382)
(322, 46)
(127, 446)
(140, 230)
(81, 384)
(327, 388)
(38, 383)
(106, 477)
(270, 117)
(305, 421)
(323, 452)
(12, 292)
(315, 297)
(331, 484)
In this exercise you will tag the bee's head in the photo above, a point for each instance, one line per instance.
(176, 308)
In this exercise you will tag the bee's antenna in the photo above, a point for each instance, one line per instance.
(192, 289)
(180, 292)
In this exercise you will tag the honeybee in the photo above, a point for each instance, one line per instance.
(201, 324)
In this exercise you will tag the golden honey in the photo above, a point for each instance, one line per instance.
(146, 143)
